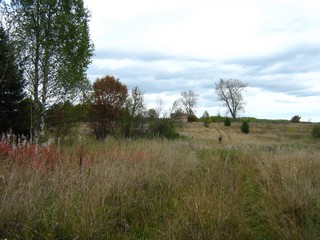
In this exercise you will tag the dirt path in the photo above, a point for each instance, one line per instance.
(209, 136)
(225, 138)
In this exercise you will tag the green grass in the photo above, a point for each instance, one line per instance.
(159, 189)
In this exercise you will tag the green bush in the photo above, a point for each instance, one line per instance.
(206, 119)
(316, 131)
(163, 128)
(217, 118)
(227, 122)
(192, 118)
(245, 127)
(207, 122)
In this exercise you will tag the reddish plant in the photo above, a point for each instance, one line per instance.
(43, 159)
(5, 149)
(137, 156)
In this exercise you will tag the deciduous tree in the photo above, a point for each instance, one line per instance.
(189, 100)
(134, 112)
(52, 39)
(230, 94)
(295, 119)
(109, 96)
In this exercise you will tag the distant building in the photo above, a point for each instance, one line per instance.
(179, 117)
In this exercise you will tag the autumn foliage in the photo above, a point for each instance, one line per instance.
(109, 96)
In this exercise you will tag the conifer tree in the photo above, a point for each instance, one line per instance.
(11, 85)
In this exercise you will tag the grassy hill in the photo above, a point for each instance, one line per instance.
(261, 185)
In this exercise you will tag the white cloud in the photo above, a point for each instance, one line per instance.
(266, 104)
(114, 64)
(211, 29)
(166, 47)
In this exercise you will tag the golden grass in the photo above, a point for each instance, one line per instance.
(263, 185)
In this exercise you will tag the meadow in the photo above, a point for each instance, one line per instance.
(261, 185)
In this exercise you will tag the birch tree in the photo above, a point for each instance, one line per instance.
(53, 43)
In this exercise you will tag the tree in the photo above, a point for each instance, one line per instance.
(295, 119)
(245, 127)
(206, 119)
(134, 112)
(62, 117)
(230, 94)
(152, 114)
(52, 39)
(189, 100)
(159, 124)
(227, 122)
(59, 118)
(23, 119)
(109, 96)
(11, 86)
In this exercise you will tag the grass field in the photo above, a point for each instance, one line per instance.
(261, 185)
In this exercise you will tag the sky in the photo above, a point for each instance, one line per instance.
(166, 47)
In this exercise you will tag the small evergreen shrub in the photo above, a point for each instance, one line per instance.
(227, 122)
(316, 131)
(245, 127)
(207, 122)
(206, 119)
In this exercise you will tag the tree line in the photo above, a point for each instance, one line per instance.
(110, 109)
(45, 52)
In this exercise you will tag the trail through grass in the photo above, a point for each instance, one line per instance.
(247, 187)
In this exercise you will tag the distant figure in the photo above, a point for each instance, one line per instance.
(219, 139)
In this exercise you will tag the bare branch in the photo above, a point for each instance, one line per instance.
(230, 94)
(189, 101)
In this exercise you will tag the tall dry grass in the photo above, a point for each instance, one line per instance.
(158, 189)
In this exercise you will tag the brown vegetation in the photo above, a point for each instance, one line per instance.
(262, 185)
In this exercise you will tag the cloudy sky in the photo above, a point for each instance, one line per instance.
(166, 47)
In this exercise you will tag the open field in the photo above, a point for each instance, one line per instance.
(263, 185)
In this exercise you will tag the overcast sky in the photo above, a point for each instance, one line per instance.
(166, 47)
